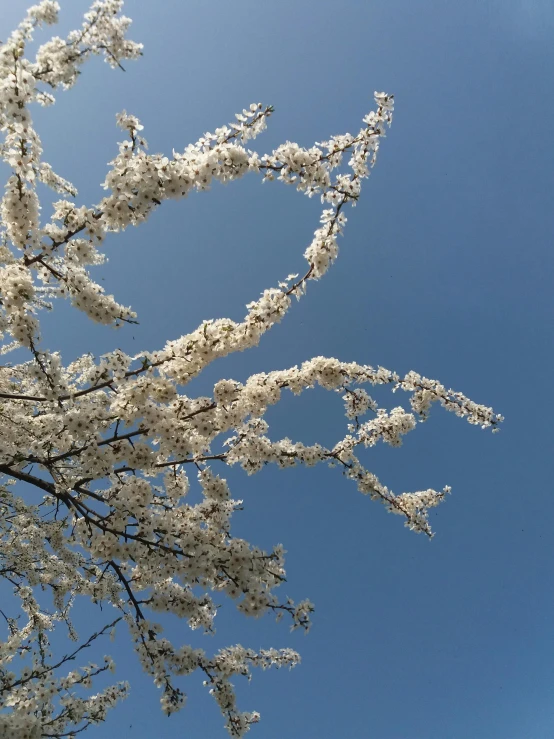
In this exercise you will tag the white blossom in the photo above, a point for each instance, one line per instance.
(111, 487)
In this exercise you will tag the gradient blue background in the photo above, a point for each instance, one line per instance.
(446, 268)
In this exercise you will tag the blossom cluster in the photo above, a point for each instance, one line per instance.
(96, 497)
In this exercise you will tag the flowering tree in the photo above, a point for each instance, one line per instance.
(95, 456)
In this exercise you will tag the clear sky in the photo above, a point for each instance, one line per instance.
(446, 268)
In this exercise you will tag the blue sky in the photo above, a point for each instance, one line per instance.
(446, 268)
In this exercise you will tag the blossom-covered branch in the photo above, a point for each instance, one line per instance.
(94, 455)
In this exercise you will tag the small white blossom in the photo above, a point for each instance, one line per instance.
(123, 502)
